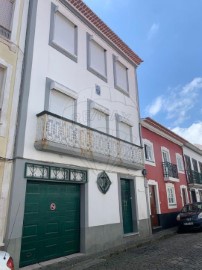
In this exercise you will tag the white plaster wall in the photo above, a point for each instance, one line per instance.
(103, 208)
(48, 62)
(143, 212)
(192, 154)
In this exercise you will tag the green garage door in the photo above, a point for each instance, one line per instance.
(51, 226)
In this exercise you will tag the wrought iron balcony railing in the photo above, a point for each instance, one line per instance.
(194, 177)
(170, 170)
(60, 135)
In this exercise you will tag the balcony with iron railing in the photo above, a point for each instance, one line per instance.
(63, 136)
(194, 177)
(6, 13)
(170, 171)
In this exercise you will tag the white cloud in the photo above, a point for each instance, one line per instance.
(153, 31)
(192, 133)
(177, 102)
(156, 106)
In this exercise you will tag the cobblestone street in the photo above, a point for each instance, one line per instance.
(181, 251)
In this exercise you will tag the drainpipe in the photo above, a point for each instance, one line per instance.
(144, 173)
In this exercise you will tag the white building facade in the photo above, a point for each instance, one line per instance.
(193, 163)
(77, 184)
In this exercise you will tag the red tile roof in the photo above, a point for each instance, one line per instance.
(88, 14)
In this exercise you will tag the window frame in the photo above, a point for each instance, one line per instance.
(90, 38)
(122, 119)
(151, 146)
(53, 85)
(91, 105)
(170, 186)
(116, 86)
(55, 45)
(165, 150)
(179, 162)
(5, 93)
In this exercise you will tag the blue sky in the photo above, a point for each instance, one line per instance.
(167, 35)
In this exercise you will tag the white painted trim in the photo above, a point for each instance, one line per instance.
(163, 148)
(158, 203)
(186, 193)
(177, 155)
(125, 120)
(63, 89)
(162, 134)
(150, 144)
(171, 206)
(6, 94)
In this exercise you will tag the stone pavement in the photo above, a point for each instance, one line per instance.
(165, 250)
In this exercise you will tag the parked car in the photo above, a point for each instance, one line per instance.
(6, 261)
(190, 217)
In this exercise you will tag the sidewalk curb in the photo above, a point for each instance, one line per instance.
(81, 261)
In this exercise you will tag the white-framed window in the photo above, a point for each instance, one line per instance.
(2, 83)
(120, 76)
(148, 151)
(165, 154)
(123, 128)
(62, 101)
(179, 161)
(171, 197)
(63, 34)
(96, 58)
(98, 117)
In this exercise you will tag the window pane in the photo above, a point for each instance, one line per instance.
(97, 58)
(124, 131)
(62, 104)
(64, 33)
(165, 156)
(98, 120)
(121, 76)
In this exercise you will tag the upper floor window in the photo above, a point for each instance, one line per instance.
(148, 151)
(96, 58)
(180, 165)
(6, 13)
(98, 117)
(165, 154)
(120, 76)
(62, 102)
(187, 163)
(124, 128)
(200, 166)
(195, 166)
(2, 78)
(63, 34)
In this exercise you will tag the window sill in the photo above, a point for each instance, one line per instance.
(151, 163)
(123, 91)
(56, 46)
(173, 206)
(171, 179)
(102, 77)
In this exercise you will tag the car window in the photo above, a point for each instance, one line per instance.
(191, 208)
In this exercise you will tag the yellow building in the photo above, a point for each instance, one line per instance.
(13, 24)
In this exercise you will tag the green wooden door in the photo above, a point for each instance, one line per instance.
(51, 226)
(126, 206)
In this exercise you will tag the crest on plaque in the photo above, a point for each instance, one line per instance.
(103, 182)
